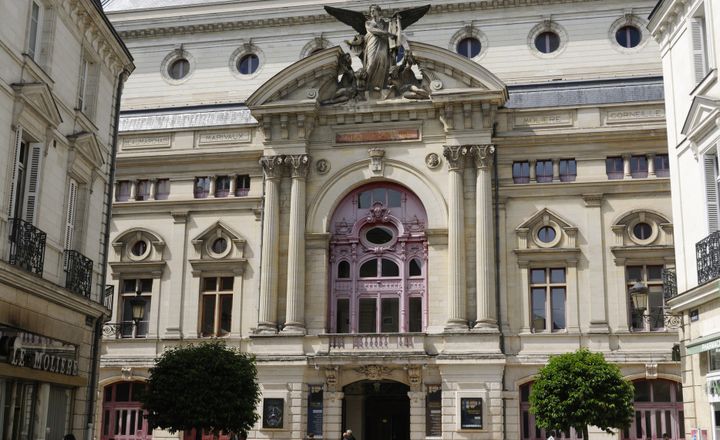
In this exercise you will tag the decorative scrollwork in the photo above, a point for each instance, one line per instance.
(27, 246)
(707, 254)
(78, 270)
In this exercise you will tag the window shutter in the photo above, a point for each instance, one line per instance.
(14, 172)
(33, 182)
(697, 32)
(70, 218)
(711, 191)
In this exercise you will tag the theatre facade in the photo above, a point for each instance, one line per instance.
(401, 257)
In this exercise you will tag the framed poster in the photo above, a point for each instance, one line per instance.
(471, 414)
(315, 413)
(433, 412)
(273, 413)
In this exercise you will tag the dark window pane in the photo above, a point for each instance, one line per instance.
(526, 425)
(379, 195)
(222, 186)
(226, 283)
(614, 167)
(468, 47)
(364, 200)
(129, 286)
(547, 42)
(367, 316)
(543, 171)
(654, 273)
(122, 392)
(537, 276)
(546, 234)
(661, 391)
(628, 36)
(558, 308)
(248, 64)
(390, 314)
(638, 424)
(662, 165)
(642, 231)
(394, 198)
(557, 275)
(202, 187)
(568, 170)
(162, 189)
(521, 172)
(209, 284)
(525, 393)
(415, 268)
(642, 391)
(638, 166)
(378, 235)
(343, 269)
(634, 273)
(219, 245)
(343, 316)
(225, 314)
(208, 315)
(389, 268)
(538, 309)
(242, 185)
(415, 318)
(368, 269)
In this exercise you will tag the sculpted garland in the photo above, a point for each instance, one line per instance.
(377, 44)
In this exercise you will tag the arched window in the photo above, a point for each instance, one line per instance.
(122, 415)
(379, 248)
(658, 410)
(529, 430)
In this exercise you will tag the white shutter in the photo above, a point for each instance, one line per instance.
(33, 182)
(14, 172)
(697, 34)
(70, 217)
(711, 191)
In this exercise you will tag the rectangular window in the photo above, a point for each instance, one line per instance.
(162, 189)
(714, 357)
(26, 170)
(142, 190)
(83, 84)
(390, 308)
(216, 310)
(548, 293)
(342, 324)
(367, 316)
(651, 317)
(662, 165)
(128, 327)
(415, 321)
(242, 185)
(614, 167)
(568, 170)
(521, 172)
(34, 31)
(202, 187)
(222, 186)
(21, 172)
(544, 171)
(638, 167)
(123, 191)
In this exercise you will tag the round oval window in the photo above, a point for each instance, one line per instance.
(628, 36)
(248, 64)
(642, 231)
(219, 245)
(139, 248)
(378, 236)
(547, 42)
(468, 47)
(179, 69)
(546, 234)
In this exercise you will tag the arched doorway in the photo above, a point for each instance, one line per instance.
(377, 410)
(122, 414)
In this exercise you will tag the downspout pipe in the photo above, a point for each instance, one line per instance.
(100, 321)
(496, 227)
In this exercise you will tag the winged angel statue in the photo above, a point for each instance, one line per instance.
(379, 39)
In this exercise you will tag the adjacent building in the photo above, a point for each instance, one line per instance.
(399, 267)
(689, 38)
(62, 67)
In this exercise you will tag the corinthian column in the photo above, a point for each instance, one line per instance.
(457, 319)
(484, 249)
(267, 309)
(294, 311)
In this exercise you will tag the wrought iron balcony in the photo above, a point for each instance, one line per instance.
(78, 273)
(27, 246)
(707, 254)
(669, 283)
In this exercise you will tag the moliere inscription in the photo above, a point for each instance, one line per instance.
(28, 350)
(541, 120)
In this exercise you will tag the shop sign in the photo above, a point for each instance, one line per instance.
(471, 416)
(315, 413)
(273, 413)
(433, 411)
(28, 350)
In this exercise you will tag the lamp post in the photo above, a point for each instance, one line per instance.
(137, 314)
(137, 305)
(639, 295)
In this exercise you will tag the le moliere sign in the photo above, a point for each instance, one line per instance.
(29, 350)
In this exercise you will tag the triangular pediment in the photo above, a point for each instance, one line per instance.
(87, 145)
(215, 230)
(40, 99)
(701, 116)
(544, 216)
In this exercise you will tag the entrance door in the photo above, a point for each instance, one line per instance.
(377, 410)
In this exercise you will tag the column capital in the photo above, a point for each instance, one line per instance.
(272, 166)
(482, 154)
(299, 165)
(455, 155)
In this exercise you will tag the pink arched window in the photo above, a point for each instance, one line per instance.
(378, 260)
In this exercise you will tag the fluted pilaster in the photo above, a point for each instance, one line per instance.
(457, 317)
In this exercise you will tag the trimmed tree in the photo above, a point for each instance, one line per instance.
(207, 387)
(575, 390)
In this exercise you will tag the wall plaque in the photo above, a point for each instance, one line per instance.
(630, 115)
(540, 120)
(433, 412)
(226, 137)
(315, 413)
(273, 413)
(389, 135)
(28, 350)
(139, 142)
(471, 415)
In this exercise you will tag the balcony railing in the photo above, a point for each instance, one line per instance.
(78, 273)
(669, 283)
(374, 342)
(707, 254)
(27, 246)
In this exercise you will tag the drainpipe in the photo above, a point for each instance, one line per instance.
(97, 330)
(496, 226)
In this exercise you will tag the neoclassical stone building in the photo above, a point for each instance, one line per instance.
(399, 266)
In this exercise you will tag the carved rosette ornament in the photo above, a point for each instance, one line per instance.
(299, 165)
(482, 154)
(272, 166)
(455, 156)
(374, 372)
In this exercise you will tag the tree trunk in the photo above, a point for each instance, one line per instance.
(585, 432)
(198, 433)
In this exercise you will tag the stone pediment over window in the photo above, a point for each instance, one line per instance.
(138, 251)
(86, 146)
(546, 236)
(642, 233)
(38, 97)
(218, 249)
(701, 119)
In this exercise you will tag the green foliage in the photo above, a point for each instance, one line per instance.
(580, 389)
(207, 386)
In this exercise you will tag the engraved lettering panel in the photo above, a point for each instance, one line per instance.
(540, 120)
(394, 135)
(142, 142)
(632, 115)
(223, 138)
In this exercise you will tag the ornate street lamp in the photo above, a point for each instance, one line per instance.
(137, 305)
(639, 295)
(137, 311)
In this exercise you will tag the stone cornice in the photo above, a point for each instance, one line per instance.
(151, 28)
(667, 18)
(190, 205)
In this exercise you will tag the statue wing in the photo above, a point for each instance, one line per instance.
(350, 18)
(410, 16)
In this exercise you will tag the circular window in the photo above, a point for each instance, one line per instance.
(642, 231)
(219, 245)
(139, 248)
(546, 234)
(248, 64)
(469, 47)
(547, 42)
(628, 36)
(179, 68)
(379, 236)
